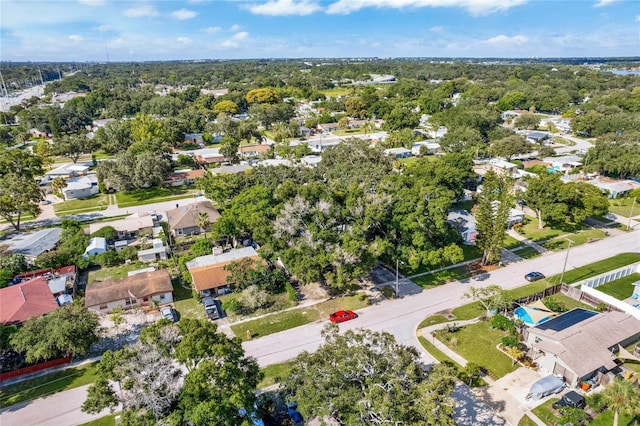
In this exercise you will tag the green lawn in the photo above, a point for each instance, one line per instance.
(596, 268)
(140, 197)
(296, 317)
(527, 252)
(546, 413)
(96, 202)
(276, 303)
(438, 278)
(606, 419)
(526, 421)
(620, 289)
(435, 352)
(477, 343)
(274, 372)
(569, 302)
(433, 320)
(468, 311)
(511, 243)
(530, 230)
(109, 420)
(622, 206)
(184, 302)
(113, 272)
(581, 237)
(48, 384)
(349, 132)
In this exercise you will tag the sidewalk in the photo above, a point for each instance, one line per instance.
(526, 241)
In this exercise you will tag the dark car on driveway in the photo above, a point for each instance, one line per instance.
(534, 276)
(169, 313)
(570, 399)
(211, 308)
(342, 316)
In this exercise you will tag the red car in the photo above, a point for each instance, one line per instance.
(342, 316)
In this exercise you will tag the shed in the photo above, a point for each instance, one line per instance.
(96, 246)
(546, 386)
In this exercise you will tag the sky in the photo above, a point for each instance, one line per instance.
(126, 30)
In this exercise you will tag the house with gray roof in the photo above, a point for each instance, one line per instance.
(33, 245)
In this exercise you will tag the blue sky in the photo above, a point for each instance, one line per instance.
(88, 30)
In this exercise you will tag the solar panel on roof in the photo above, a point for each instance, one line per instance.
(567, 319)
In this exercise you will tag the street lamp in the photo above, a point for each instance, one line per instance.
(397, 276)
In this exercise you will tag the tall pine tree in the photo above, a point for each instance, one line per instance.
(492, 214)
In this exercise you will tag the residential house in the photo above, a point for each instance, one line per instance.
(80, 187)
(236, 169)
(215, 92)
(138, 290)
(466, 225)
(501, 167)
(430, 146)
(156, 253)
(512, 113)
(127, 228)
(275, 162)
(22, 301)
(96, 246)
(397, 152)
(581, 344)
(311, 161)
(66, 171)
(33, 245)
(328, 127)
(321, 145)
(60, 280)
(537, 137)
(254, 151)
(183, 177)
(305, 131)
(207, 156)
(208, 272)
(564, 163)
(194, 139)
(614, 188)
(184, 219)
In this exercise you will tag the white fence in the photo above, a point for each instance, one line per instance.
(609, 276)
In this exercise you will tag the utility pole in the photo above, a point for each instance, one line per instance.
(397, 280)
(565, 261)
(631, 214)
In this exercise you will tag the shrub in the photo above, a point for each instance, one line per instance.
(503, 323)
(292, 295)
(201, 248)
(510, 341)
(108, 232)
(596, 402)
(231, 304)
(388, 292)
(554, 305)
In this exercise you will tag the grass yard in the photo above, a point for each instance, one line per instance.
(511, 243)
(530, 230)
(606, 419)
(622, 206)
(296, 317)
(527, 252)
(438, 278)
(96, 202)
(569, 302)
(140, 197)
(526, 421)
(349, 132)
(468, 311)
(273, 372)
(596, 268)
(184, 302)
(582, 237)
(113, 272)
(277, 302)
(109, 420)
(433, 320)
(48, 384)
(546, 413)
(435, 352)
(338, 91)
(477, 343)
(621, 288)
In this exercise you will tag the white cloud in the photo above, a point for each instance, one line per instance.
(92, 2)
(235, 28)
(234, 41)
(602, 3)
(102, 28)
(475, 7)
(505, 41)
(76, 38)
(140, 11)
(287, 7)
(212, 30)
(184, 40)
(637, 18)
(183, 14)
(436, 29)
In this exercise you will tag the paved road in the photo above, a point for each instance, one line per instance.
(399, 317)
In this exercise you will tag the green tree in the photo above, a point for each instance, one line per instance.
(527, 120)
(226, 106)
(492, 297)
(370, 369)
(19, 195)
(69, 330)
(510, 146)
(573, 416)
(44, 152)
(263, 95)
(204, 222)
(622, 396)
(494, 204)
(73, 146)
(58, 184)
(229, 148)
(343, 124)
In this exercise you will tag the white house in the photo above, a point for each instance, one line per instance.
(96, 246)
(80, 187)
(397, 152)
(431, 147)
(156, 253)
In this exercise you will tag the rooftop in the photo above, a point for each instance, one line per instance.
(22, 301)
(36, 243)
(230, 256)
(139, 286)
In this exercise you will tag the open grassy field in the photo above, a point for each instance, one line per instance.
(582, 237)
(620, 289)
(338, 91)
(477, 343)
(527, 252)
(273, 372)
(438, 278)
(349, 132)
(296, 317)
(96, 202)
(606, 419)
(530, 230)
(140, 197)
(622, 206)
(184, 302)
(112, 273)
(47, 384)
(435, 352)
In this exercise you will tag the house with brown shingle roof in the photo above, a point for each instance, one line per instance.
(580, 344)
(183, 177)
(253, 151)
(208, 272)
(184, 219)
(129, 292)
(20, 302)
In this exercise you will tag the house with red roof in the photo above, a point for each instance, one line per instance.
(20, 302)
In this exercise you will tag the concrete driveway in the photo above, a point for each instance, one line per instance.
(473, 411)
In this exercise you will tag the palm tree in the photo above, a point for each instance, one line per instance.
(203, 222)
(58, 184)
(515, 353)
(367, 127)
(622, 396)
